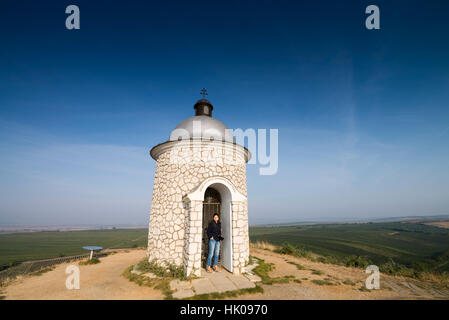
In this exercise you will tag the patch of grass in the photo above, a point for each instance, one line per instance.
(89, 262)
(420, 285)
(298, 266)
(349, 283)
(281, 280)
(364, 289)
(250, 260)
(317, 272)
(387, 287)
(305, 278)
(226, 294)
(330, 280)
(357, 261)
(293, 250)
(42, 271)
(169, 271)
(262, 245)
(264, 268)
(140, 280)
(323, 282)
(164, 276)
(9, 265)
(162, 284)
(297, 281)
(394, 268)
(2, 297)
(347, 261)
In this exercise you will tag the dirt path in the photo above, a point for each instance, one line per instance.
(105, 281)
(346, 282)
(99, 281)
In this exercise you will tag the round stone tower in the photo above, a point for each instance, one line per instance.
(200, 171)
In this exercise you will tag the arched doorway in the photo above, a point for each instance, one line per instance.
(228, 197)
(217, 199)
(211, 206)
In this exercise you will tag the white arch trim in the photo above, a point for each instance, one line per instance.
(198, 192)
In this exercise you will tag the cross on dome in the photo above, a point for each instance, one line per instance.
(204, 93)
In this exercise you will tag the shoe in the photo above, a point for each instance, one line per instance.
(208, 269)
(216, 269)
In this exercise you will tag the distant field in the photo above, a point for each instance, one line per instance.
(17, 247)
(441, 224)
(405, 243)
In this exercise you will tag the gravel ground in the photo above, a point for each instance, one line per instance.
(97, 282)
(391, 287)
(105, 281)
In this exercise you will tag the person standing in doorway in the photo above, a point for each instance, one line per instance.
(214, 236)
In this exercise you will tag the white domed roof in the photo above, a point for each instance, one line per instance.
(201, 127)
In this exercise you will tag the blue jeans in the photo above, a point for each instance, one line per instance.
(214, 249)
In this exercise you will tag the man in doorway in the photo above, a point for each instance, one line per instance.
(214, 236)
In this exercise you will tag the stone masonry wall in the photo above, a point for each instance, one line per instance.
(175, 227)
(240, 235)
(192, 243)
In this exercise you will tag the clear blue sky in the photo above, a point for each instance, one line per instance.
(363, 116)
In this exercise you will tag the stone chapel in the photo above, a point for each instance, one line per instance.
(200, 171)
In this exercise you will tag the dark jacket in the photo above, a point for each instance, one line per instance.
(214, 230)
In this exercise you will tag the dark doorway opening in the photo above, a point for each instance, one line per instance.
(211, 206)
